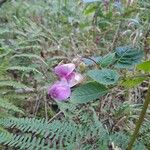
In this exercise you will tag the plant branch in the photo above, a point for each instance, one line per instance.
(98, 65)
(140, 120)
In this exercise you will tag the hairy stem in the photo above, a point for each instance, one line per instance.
(140, 120)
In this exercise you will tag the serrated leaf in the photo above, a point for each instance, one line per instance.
(88, 92)
(104, 76)
(127, 57)
(130, 83)
(107, 60)
(145, 66)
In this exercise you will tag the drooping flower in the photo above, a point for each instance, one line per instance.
(64, 70)
(59, 91)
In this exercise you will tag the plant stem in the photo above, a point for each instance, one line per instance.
(140, 120)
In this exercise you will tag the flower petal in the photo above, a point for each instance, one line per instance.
(64, 70)
(59, 91)
(74, 79)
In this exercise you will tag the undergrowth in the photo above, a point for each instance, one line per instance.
(107, 41)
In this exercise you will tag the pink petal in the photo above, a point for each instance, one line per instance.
(74, 79)
(64, 70)
(59, 91)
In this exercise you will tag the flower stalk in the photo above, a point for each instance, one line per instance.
(140, 120)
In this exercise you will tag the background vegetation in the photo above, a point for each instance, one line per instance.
(107, 40)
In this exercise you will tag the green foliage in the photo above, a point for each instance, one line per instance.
(40, 134)
(13, 84)
(122, 140)
(88, 92)
(90, 9)
(130, 83)
(7, 85)
(35, 36)
(127, 57)
(9, 106)
(104, 76)
(31, 56)
(67, 134)
(145, 66)
(107, 60)
(145, 133)
(21, 142)
(25, 69)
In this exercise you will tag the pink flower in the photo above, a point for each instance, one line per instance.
(59, 91)
(64, 70)
(74, 79)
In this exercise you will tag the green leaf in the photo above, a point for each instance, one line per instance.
(107, 60)
(145, 66)
(90, 9)
(130, 83)
(88, 92)
(127, 57)
(104, 76)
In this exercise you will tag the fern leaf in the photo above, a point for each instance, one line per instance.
(9, 106)
(60, 134)
(30, 56)
(23, 68)
(22, 141)
(13, 84)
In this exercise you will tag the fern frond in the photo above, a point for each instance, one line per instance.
(13, 84)
(22, 141)
(64, 134)
(53, 131)
(145, 133)
(57, 131)
(121, 140)
(9, 106)
(23, 68)
(30, 56)
(4, 31)
(35, 126)
(35, 47)
(5, 52)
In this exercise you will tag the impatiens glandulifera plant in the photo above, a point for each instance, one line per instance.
(100, 80)
(111, 73)
(61, 90)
